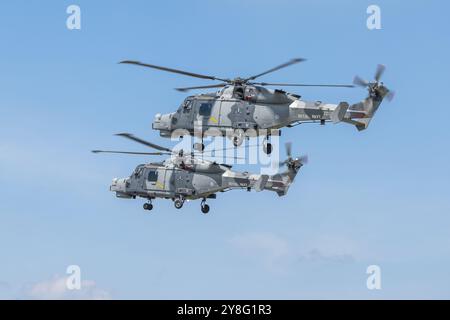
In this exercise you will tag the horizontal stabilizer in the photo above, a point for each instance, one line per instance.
(360, 124)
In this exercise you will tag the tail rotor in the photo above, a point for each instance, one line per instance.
(358, 81)
(293, 163)
(379, 72)
(376, 88)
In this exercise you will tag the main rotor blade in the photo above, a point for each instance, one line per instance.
(145, 143)
(220, 85)
(186, 73)
(379, 72)
(132, 152)
(304, 85)
(281, 66)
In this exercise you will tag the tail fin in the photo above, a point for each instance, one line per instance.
(281, 182)
(339, 113)
(360, 114)
(261, 183)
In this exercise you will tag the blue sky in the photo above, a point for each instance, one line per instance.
(373, 197)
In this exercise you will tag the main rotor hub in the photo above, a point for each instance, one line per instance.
(239, 80)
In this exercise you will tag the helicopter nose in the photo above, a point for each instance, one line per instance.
(118, 185)
(162, 122)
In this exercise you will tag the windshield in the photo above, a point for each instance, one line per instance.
(185, 106)
(138, 171)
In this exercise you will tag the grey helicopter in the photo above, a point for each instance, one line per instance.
(184, 176)
(245, 108)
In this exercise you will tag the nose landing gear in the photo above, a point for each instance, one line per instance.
(204, 206)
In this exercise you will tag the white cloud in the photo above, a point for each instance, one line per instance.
(56, 289)
(269, 247)
(278, 253)
(267, 243)
(316, 255)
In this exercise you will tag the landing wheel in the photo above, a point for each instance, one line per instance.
(236, 142)
(267, 148)
(148, 206)
(178, 203)
(202, 146)
(205, 207)
(199, 147)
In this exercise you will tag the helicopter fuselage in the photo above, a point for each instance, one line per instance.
(250, 110)
(189, 179)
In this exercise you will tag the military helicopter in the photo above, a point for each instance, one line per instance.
(183, 176)
(244, 108)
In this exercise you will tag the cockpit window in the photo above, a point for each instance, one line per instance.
(238, 92)
(187, 105)
(138, 171)
(221, 91)
(152, 175)
(250, 93)
(205, 109)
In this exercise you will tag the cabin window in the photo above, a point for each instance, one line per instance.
(205, 109)
(152, 175)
